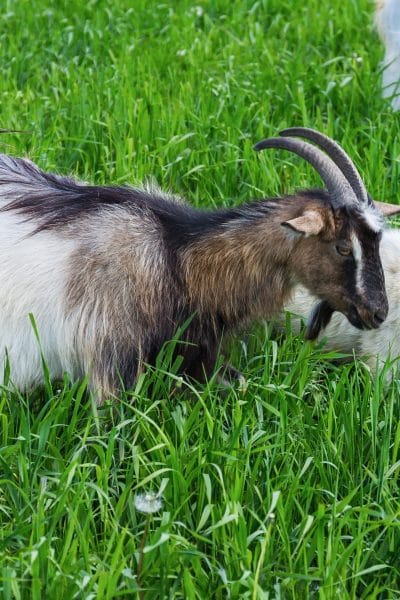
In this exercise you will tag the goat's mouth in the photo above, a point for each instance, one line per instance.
(363, 319)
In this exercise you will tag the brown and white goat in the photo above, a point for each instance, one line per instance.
(110, 273)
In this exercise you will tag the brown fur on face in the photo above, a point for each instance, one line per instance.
(341, 279)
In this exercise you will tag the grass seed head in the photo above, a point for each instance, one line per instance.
(148, 503)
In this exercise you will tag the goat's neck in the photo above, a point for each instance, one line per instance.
(240, 271)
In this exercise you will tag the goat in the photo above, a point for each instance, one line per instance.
(110, 273)
(376, 346)
(387, 18)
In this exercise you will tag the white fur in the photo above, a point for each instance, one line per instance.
(376, 344)
(388, 23)
(357, 253)
(32, 281)
(373, 218)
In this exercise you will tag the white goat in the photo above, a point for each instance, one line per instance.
(387, 18)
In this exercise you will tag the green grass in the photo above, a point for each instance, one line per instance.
(287, 490)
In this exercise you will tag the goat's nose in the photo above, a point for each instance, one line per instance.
(379, 317)
(379, 314)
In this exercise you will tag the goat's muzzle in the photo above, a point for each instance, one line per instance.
(368, 316)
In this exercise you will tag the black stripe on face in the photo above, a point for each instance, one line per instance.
(369, 280)
(362, 274)
(372, 277)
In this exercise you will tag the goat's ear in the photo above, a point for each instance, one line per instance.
(309, 223)
(388, 210)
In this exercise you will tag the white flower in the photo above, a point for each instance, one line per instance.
(148, 502)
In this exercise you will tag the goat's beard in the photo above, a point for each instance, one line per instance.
(318, 319)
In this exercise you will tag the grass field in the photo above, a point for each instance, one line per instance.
(289, 490)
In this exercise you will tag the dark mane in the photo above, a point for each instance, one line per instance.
(53, 202)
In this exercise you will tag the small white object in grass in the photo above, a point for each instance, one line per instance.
(242, 384)
(148, 503)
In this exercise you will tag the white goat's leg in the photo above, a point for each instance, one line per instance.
(388, 23)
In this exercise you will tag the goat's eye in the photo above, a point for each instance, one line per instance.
(344, 250)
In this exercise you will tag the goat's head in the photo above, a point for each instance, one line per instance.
(336, 251)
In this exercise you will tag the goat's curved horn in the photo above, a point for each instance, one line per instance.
(337, 185)
(337, 154)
